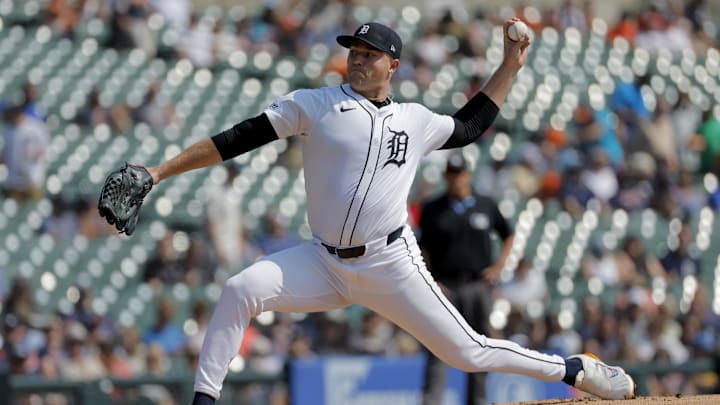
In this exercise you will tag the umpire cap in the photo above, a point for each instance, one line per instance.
(456, 163)
(377, 35)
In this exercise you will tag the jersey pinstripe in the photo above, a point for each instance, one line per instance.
(359, 160)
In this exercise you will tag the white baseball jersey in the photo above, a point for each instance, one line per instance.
(359, 160)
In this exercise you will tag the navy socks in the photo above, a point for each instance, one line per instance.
(203, 399)
(572, 368)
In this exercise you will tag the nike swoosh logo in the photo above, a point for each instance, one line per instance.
(343, 109)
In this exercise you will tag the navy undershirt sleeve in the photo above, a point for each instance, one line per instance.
(474, 118)
(245, 136)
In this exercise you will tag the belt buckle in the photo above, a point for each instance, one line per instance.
(345, 253)
(349, 253)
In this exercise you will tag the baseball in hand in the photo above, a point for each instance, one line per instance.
(518, 31)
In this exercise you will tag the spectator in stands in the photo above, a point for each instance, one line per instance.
(133, 349)
(201, 318)
(225, 219)
(597, 128)
(262, 28)
(574, 194)
(612, 342)
(659, 29)
(627, 102)
(23, 344)
(456, 231)
(526, 174)
(14, 355)
(63, 17)
(690, 198)
(333, 333)
(165, 266)
(701, 326)
(31, 105)
(570, 15)
(275, 235)
(634, 259)
(479, 33)
(164, 331)
(375, 335)
(708, 141)
(600, 263)
(657, 342)
(663, 202)
(24, 153)
(157, 365)
(563, 341)
(20, 301)
(54, 350)
(121, 119)
(226, 41)
(714, 198)
(592, 312)
(288, 27)
(129, 27)
(600, 178)
(120, 36)
(83, 362)
(698, 13)
(191, 358)
(198, 44)
(84, 312)
(494, 178)
(154, 110)
(94, 113)
(63, 222)
(115, 365)
(526, 287)
(422, 73)
(626, 27)
(658, 133)
(681, 260)
(637, 182)
(686, 119)
(176, 12)
(430, 47)
(696, 336)
(198, 263)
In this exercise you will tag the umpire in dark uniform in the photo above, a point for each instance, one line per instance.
(456, 231)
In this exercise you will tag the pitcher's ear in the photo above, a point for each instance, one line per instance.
(394, 65)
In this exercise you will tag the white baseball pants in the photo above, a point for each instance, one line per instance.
(390, 280)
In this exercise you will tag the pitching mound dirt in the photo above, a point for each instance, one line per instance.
(689, 400)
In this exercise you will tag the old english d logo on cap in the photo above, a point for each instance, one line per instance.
(377, 35)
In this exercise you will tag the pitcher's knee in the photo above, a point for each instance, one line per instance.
(467, 360)
(251, 285)
(462, 364)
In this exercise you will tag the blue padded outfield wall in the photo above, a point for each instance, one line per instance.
(371, 380)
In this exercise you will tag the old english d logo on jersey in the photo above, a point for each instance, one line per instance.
(398, 148)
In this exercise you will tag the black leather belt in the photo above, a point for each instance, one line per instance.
(357, 251)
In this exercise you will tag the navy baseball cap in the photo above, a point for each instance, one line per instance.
(377, 35)
(456, 163)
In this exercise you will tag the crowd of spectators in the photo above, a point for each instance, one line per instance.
(620, 154)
